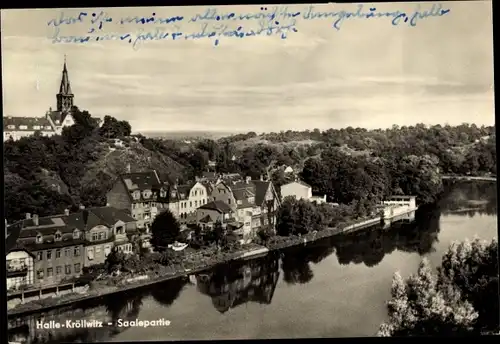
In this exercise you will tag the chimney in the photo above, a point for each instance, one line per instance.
(66, 212)
(248, 179)
(28, 216)
(35, 219)
(85, 217)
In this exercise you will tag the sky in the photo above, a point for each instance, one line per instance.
(367, 74)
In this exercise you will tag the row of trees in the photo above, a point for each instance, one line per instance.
(460, 299)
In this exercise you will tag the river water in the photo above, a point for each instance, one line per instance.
(333, 288)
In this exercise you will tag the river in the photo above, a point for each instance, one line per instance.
(333, 288)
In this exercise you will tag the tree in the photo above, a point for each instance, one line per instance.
(297, 217)
(419, 308)
(165, 229)
(112, 128)
(473, 268)
(219, 234)
(461, 299)
(115, 260)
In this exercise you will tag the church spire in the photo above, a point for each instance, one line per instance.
(65, 96)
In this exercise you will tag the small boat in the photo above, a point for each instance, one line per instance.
(177, 246)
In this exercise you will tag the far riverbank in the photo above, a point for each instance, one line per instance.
(471, 178)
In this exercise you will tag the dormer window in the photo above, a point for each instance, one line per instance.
(57, 236)
(76, 234)
(39, 238)
(239, 201)
(36, 127)
(146, 193)
(23, 127)
(57, 121)
(48, 127)
(136, 195)
(251, 199)
(163, 193)
(11, 126)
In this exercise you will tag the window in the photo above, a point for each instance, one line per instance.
(67, 252)
(195, 204)
(39, 274)
(57, 236)
(67, 269)
(11, 126)
(49, 254)
(190, 204)
(77, 268)
(95, 236)
(195, 192)
(107, 250)
(76, 234)
(97, 250)
(48, 127)
(58, 270)
(90, 253)
(76, 252)
(101, 235)
(120, 230)
(23, 127)
(50, 272)
(36, 127)
(229, 201)
(58, 253)
(39, 238)
(39, 256)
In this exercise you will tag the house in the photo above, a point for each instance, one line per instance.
(19, 127)
(297, 189)
(56, 246)
(20, 262)
(254, 203)
(142, 194)
(190, 197)
(216, 211)
(104, 228)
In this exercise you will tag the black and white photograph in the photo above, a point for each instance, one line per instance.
(250, 172)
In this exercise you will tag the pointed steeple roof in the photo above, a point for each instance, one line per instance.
(65, 87)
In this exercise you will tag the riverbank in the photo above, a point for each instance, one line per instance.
(191, 264)
(471, 178)
(279, 242)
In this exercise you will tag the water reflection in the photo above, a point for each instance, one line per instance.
(240, 282)
(109, 309)
(166, 293)
(469, 198)
(368, 247)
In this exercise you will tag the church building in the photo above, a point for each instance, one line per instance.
(52, 123)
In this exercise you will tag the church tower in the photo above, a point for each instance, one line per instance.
(65, 96)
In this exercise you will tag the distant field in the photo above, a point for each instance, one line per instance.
(187, 134)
